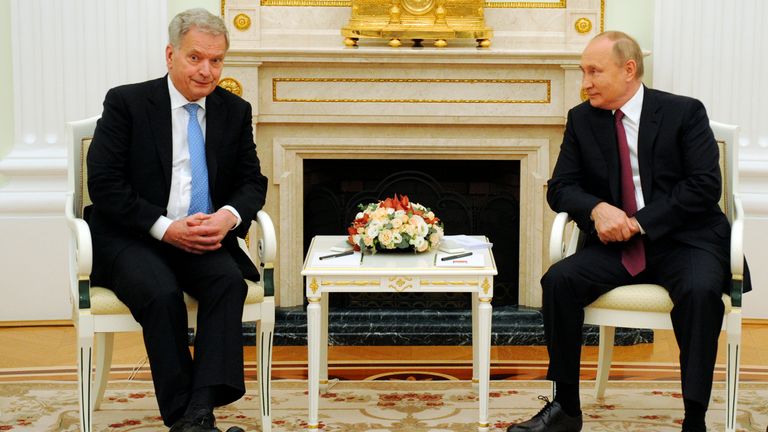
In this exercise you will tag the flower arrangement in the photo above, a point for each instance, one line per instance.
(395, 224)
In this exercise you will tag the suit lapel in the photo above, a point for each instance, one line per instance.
(650, 119)
(215, 115)
(159, 114)
(605, 137)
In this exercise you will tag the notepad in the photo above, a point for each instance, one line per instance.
(455, 242)
(477, 259)
(352, 260)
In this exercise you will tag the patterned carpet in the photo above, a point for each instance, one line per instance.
(377, 406)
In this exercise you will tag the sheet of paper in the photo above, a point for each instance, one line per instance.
(464, 242)
(352, 260)
(477, 259)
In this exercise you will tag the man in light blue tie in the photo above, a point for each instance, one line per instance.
(174, 179)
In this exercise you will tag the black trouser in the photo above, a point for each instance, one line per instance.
(150, 278)
(693, 277)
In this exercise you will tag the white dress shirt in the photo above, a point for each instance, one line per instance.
(181, 171)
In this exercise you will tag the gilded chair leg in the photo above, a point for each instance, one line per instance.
(104, 344)
(604, 358)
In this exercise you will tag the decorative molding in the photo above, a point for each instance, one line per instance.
(546, 83)
(602, 16)
(242, 22)
(400, 283)
(307, 3)
(560, 4)
(351, 283)
(445, 283)
(232, 85)
(583, 25)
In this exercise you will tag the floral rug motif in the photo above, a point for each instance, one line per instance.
(379, 406)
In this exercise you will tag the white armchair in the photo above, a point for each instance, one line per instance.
(97, 312)
(649, 306)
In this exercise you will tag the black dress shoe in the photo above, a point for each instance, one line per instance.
(235, 429)
(201, 420)
(551, 418)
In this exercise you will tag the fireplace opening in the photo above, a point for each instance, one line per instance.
(474, 197)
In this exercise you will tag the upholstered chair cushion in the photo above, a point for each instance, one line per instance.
(105, 302)
(641, 297)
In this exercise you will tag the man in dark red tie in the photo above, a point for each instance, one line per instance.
(638, 170)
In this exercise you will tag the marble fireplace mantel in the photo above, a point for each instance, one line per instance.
(413, 103)
(313, 98)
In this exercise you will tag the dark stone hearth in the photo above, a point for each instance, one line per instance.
(511, 325)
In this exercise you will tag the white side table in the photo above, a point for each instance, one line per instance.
(395, 272)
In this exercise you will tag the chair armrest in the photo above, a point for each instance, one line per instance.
(557, 245)
(267, 251)
(737, 252)
(267, 245)
(83, 254)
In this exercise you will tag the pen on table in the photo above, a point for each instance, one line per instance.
(451, 257)
(336, 255)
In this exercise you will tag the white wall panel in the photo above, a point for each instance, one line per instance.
(713, 50)
(66, 54)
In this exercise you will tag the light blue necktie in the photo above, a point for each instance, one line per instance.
(199, 200)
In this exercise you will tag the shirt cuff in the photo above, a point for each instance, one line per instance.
(160, 227)
(234, 212)
(642, 231)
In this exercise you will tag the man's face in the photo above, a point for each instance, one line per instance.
(608, 83)
(195, 66)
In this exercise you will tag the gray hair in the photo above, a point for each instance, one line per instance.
(625, 48)
(200, 19)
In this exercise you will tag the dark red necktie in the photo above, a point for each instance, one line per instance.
(633, 253)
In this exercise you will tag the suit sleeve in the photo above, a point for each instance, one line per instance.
(249, 187)
(565, 190)
(698, 188)
(109, 184)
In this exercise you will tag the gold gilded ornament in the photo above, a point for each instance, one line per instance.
(399, 20)
(583, 25)
(242, 22)
(231, 85)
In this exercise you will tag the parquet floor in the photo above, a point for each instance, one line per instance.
(48, 352)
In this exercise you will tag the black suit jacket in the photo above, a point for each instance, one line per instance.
(679, 171)
(129, 167)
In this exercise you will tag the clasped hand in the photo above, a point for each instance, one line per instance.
(612, 223)
(200, 232)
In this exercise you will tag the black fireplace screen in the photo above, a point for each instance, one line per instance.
(475, 197)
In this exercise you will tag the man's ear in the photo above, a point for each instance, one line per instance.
(630, 68)
(168, 55)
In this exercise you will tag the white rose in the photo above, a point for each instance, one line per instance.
(359, 215)
(419, 244)
(396, 223)
(373, 229)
